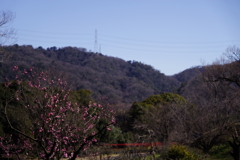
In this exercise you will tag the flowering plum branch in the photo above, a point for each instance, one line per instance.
(59, 127)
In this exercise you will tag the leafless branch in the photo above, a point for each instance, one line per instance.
(7, 34)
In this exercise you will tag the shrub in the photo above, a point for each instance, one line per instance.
(179, 152)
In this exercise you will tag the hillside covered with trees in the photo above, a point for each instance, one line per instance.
(121, 81)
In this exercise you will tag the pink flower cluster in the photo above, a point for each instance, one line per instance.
(59, 127)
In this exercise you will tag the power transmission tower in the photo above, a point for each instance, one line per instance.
(95, 43)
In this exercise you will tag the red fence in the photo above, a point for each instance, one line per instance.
(153, 144)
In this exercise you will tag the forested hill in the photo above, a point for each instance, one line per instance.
(188, 74)
(121, 81)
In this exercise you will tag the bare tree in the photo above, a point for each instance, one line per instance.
(214, 105)
(233, 53)
(7, 34)
(216, 94)
(226, 74)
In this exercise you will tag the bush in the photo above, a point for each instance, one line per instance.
(220, 151)
(178, 152)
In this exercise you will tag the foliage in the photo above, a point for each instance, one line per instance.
(17, 113)
(138, 111)
(82, 97)
(178, 152)
(220, 151)
(164, 98)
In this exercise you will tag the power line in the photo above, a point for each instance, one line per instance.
(110, 42)
(159, 45)
(58, 33)
(121, 43)
(135, 40)
(55, 37)
(64, 42)
(160, 50)
(167, 42)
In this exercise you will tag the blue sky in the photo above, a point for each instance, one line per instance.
(170, 35)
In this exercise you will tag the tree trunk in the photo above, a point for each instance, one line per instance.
(235, 147)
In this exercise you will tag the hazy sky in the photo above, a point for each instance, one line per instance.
(170, 35)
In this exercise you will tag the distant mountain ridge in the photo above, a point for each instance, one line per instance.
(121, 81)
